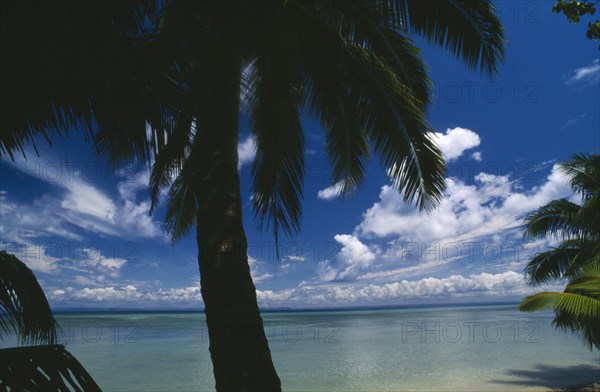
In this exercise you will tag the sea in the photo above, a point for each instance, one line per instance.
(432, 348)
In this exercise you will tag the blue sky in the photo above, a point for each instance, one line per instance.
(85, 231)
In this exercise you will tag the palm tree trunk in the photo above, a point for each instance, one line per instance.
(238, 345)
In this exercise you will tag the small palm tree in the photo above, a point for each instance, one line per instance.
(576, 258)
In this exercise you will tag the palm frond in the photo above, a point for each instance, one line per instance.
(587, 329)
(468, 29)
(586, 283)
(567, 260)
(170, 159)
(391, 116)
(182, 204)
(328, 98)
(583, 171)
(278, 168)
(338, 93)
(587, 259)
(370, 24)
(576, 309)
(577, 305)
(87, 62)
(558, 216)
(396, 125)
(549, 265)
(43, 368)
(24, 309)
(347, 146)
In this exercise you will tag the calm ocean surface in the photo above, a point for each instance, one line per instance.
(475, 348)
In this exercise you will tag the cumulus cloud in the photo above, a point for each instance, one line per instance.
(110, 265)
(493, 204)
(456, 141)
(586, 75)
(331, 192)
(508, 284)
(353, 257)
(126, 295)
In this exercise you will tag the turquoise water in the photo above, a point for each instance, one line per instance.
(492, 347)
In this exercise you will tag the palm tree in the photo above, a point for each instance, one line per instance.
(576, 258)
(351, 65)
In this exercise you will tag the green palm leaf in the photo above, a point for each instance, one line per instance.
(549, 265)
(556, 217)
(583, 171)
(577, 305)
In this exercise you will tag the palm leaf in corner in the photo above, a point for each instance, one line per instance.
(576, 309)
(24, 309)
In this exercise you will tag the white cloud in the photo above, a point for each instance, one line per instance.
(83, 281)
(85, 199)
(39, 258)
(477, 156)
(586, 75)
(474, 223)
(456, 141)
(131, 183)
(473, 287)
(353, 257)
(246, 151)
(81, 203)
(256, 270)
(126, 295)
(109, 264)
(508, 284)
(491, 205)
(331, 192)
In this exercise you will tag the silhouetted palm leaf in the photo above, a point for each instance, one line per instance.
(24, 309)
(66, 73)
(583, 171)
(466, 28)
(43, 368)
